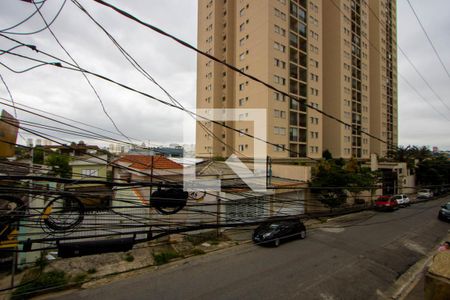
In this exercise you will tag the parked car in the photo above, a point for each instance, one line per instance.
(402, 200)
(444, 212)
(277, 231)
(424, 194)
(386, 203)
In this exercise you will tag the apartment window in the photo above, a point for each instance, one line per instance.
(313, 49)
(89, 172)
(314, 77)
(242, 86)
(314, 92)
(313, 63)
(280, 63)
(280, 114)
(279, 30)
(314, 120)
(279, 130)
(241, 147)
(242, 27)
(278, 97)
(242, 12)
(280, 14)
(279, 80)
(279, 47)
(278, 148)
(314, 35)
(242, 56)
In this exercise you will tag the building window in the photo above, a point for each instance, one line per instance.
(278, 148)
(89, 172)
(279, 130)
(279, 47)
(279, 80)
(280, 63)
(280, 114)
(278, 97)
(279, 30)
(280, 14)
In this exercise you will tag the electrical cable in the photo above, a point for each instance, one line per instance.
(84, 75)
(235, 69)
(404, 54)
(429, 39)
(24, 20)
(46, 25)
(141, 70)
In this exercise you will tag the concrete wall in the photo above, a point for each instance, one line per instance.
(301, 173)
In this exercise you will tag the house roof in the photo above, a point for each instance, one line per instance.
(144, 162)
(89, 160)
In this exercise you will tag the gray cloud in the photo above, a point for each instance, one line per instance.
(66, 93)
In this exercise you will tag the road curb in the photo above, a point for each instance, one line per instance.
(409, 280)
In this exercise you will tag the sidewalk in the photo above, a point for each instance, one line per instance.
(411, 285)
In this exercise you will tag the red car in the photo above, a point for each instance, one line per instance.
(386, 203)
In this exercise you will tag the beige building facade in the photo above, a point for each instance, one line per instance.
(304, 48)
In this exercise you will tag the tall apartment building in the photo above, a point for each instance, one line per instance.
(310, 49)
(383, 75)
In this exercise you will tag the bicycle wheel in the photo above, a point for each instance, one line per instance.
(11, 210)
(63, 213)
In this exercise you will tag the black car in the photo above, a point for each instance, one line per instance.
(274, 232)
(444, 212)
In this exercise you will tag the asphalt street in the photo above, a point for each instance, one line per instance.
(347, 258)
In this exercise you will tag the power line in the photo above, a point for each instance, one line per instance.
(79, 69)
(423, 78)
(186, 44)
(423, 98)
(403, 52)
(39, 30)
(141, 70)
(4, 30)
(429, 39)
(84, 75)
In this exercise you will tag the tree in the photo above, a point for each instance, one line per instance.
(362, 180)
(38, 155)
(334, 179)
(60, 164)
(329, 183)
(433, 171)
(327, 155)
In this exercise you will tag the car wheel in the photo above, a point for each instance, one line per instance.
(277, 242)
(302, 234)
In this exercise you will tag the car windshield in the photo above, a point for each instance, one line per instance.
(423, 191)
(447, 206)
(398, 197)
(274, 226)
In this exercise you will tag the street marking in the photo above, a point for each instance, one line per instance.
(332, 229)
(414, 246)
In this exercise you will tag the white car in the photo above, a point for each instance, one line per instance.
(402, 199)
(424, 194)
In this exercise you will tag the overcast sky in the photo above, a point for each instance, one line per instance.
(67, 93)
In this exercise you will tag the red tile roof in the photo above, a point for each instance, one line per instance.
(144, 162)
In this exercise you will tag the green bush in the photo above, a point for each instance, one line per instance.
(92, 271)
(164, 257)
(49, 280)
